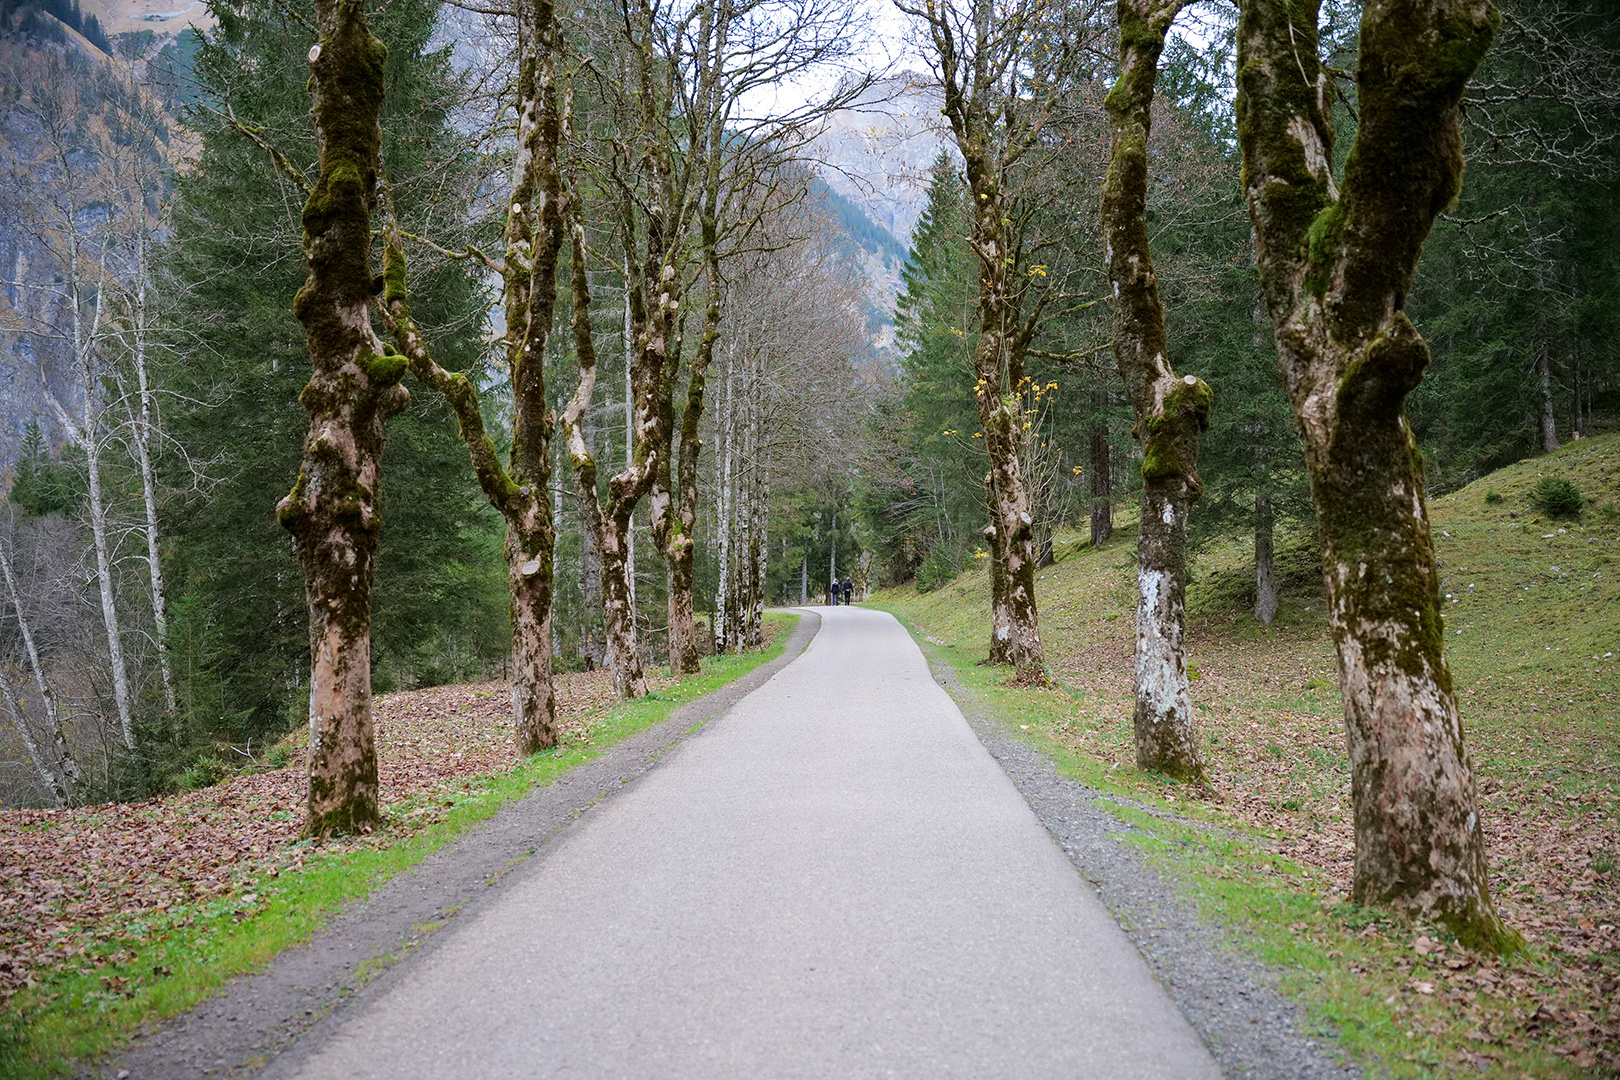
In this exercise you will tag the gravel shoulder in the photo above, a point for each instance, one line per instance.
(257, 1018)
(1231, 1000)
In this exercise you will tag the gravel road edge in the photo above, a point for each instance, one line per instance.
(1230, 999)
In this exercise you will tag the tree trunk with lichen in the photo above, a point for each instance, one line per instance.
(677, 542)
(1015, 637)
(992, 126)
(611, 523)
(353, 390)
(1171, 410)
(1265, 569)
(1335, 266)
(535, 232)
(520, 489)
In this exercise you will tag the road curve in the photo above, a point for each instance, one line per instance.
(834, 879)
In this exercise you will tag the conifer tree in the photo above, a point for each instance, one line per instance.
(232, 384)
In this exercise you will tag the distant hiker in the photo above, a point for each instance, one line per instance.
(832, 593)
(849, 591)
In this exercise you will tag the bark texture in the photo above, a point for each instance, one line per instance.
(610, 524)
(1265, 570)
(974, 106)
(1171, 410)
(353, 390)
(1335, 267)
(1549, 426)
(1102, 488)
(677, 542)
(535, 233)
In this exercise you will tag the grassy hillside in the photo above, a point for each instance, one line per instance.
(1533, 636)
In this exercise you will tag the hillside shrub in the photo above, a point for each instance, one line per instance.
(1557, 497)
(938, 568)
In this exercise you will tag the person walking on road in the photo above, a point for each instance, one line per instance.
(849, 591)
(832, 593)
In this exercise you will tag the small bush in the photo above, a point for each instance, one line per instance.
(939, 568)
(205, 771)
(1557, 497)
(1493, 497)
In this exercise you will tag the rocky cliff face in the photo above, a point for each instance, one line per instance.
(875, 157)
(878, 152)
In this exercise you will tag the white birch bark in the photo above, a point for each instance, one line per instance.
(69, 766)
(143, 429)
(85, 431)
(47, 778)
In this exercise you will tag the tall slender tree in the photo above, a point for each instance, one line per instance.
(521, 490)
(1001, 70)
(354, 389)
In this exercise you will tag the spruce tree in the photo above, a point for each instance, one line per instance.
(928, 506)
(241, 632)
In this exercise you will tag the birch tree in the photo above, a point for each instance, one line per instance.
(77, 220)
(1337, 254)
(55, 764)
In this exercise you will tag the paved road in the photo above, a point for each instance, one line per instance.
(832, 880)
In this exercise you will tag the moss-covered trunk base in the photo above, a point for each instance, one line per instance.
(534, 701)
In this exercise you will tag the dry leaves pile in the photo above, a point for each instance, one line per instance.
(73, 879)
(1283, 769)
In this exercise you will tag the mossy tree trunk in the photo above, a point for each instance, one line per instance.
(681, 524)
(611, 520)
(1336, 265)
(353, 390)
(520, 489)
(996, 117)
(1171, 410)
(535, 233)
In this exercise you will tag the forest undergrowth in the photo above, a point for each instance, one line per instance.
(114, 917)
(1533, 637)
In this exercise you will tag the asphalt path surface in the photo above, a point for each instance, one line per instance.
(834, 879)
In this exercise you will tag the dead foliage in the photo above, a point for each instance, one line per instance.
(72, 878)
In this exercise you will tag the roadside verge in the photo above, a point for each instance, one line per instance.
(1232, 1001)
(322, 934)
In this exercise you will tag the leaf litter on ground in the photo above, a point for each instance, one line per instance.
(73, 880)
